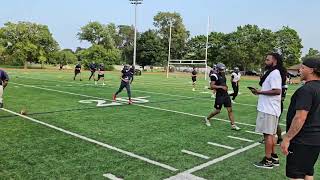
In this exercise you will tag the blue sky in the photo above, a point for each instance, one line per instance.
(65, 17)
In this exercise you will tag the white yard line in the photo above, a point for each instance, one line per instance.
(94, 141)
(195, 154)
(219, 159)
(111, 176)
(220, 145)
(141, 105)
(241, 139)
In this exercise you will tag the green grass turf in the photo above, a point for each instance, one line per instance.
(32, 151)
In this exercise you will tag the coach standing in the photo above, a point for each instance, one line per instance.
(301, 144)
(4, 78)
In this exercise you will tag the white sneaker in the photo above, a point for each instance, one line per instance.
(193, 89)
(207, 121)
(103, 84)
(235, 127)
(213, 96)
(95, 83)
(233, 102)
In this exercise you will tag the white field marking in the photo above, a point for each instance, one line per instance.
(241, 139)
(173, 95)
(111, 176)
(214, 161)
(185, 176)
(252, 132)
(220, 145)
(141, 105)
(195, 154)
(94, 141)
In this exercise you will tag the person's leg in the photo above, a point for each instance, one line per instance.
(236, 91)
(231, 115)
(127, 85)
(122, 85)
(213, 113)
(269, 145)
(1, 94)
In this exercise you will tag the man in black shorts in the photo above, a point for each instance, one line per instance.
(77, 70)
(101, 70)
(219, 83)
(92, 68)
(4, 78)
(301, 144)
(194, 78)
(125, 83)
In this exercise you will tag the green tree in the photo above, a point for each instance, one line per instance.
(179, 32)
(27, 42)
(150, 50)
(312, 53)
(289, 43)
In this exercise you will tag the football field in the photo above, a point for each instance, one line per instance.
(73, 130)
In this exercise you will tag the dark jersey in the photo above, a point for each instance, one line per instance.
(78, 67)
(306, 98)
(3, 76)
(219, 81)
(126, 74)
(131, 72)
(194, 73)
(92, 67)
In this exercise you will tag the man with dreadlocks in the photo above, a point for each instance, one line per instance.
(269, 107)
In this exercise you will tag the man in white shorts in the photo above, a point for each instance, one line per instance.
(269, 108)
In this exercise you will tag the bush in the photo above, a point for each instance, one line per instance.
(109, 67)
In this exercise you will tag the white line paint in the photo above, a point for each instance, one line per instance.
(220, 145)
(241, 139)
(111, 176)
(252, 132)
(214, 161)
(94, 141)
(185, 176)
(150, 107)
(195, 154)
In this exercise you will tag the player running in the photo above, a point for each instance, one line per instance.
(101, 70)
(235, 78)
(194, 78)
(77, 70)
(125, 83)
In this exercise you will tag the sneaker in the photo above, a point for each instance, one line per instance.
(265, 163)
(207, 121)
(95, 83)
(233, 102)
(130, 101)
(193, 89)
(275, 160)
(235, 127)
(103, 84)
(1, 105)
(114, 97)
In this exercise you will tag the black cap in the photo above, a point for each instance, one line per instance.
(312, 62)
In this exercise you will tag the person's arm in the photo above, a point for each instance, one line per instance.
(272, 92)
(5, 83)
(295, 127)
(213, 86)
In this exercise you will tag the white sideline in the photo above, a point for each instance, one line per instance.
(111, 176)
(93, 141)
(150, 107)
(220, 145)
(195, 154)
(241, 139)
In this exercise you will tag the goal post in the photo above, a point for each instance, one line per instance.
(188, 62)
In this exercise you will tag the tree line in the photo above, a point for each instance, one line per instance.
(111, 44)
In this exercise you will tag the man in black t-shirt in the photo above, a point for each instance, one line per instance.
(125, 83)
(194, 78)
(219, 83)
(77, 70)
(101, 70)
(92, 68)
(4, 78)
(301, 144)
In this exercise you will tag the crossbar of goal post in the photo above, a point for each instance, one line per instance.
(188, 62)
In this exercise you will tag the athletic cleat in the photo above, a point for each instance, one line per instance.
(275, 160)
(114, 98)
(207, 121)
(193, 89)
(130, 101)
(233, 102)
(103, 84)
(265, 163)
(95, 83)
(235, 127)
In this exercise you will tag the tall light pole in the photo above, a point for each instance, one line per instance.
(169, 49)
(135, 2)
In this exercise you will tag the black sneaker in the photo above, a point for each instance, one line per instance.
(275, 159)
(265, 163)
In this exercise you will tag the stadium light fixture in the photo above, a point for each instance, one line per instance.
(135, 3)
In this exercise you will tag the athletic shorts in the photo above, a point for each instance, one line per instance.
(100, 76)
(76, 71)
(266, 123)
(194, 79)
(301, 160)
(222, 100)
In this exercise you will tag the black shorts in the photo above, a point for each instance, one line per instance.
(222, 100)
(100, 76)
(301, 160)
(76, 71)
(194, 79)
